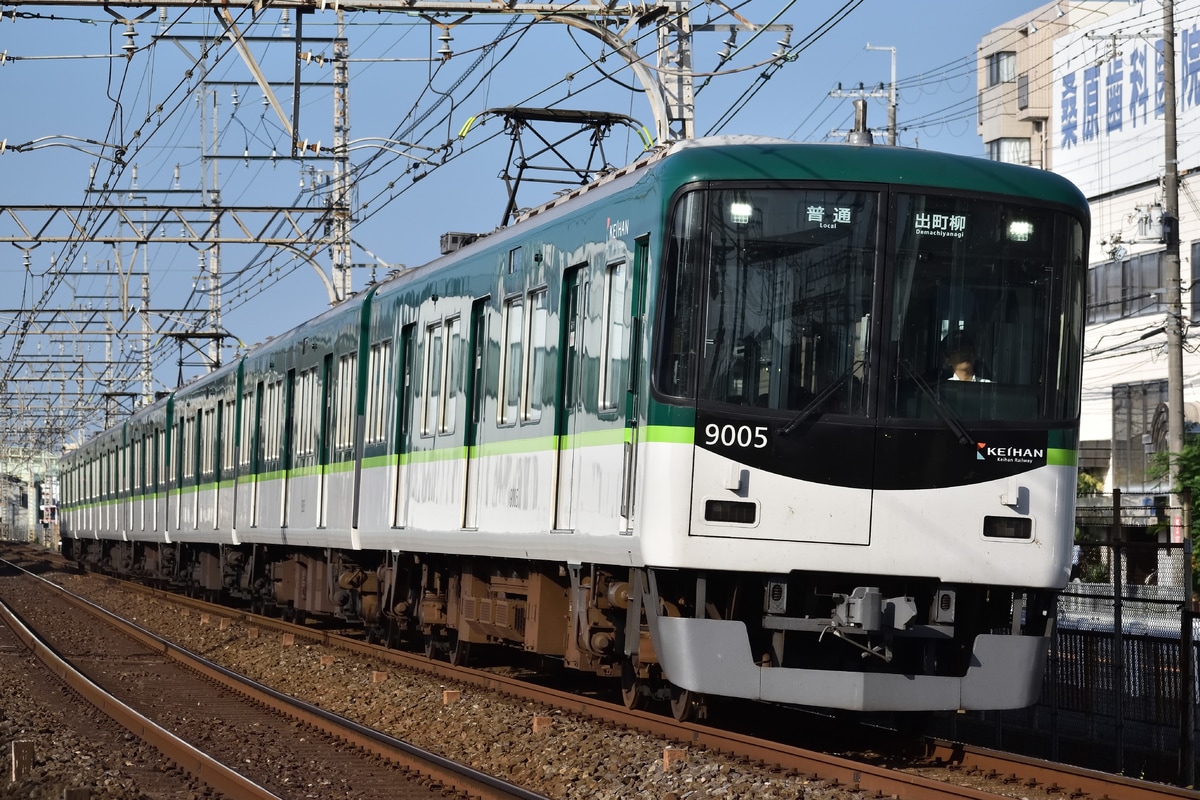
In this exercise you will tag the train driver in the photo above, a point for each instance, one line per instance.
(960, 357)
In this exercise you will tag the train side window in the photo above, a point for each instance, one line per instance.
(379, 399)
(273, 422)
(511, 361)
(539, 314)
(305, 413)
(612, 347)
(434, 366)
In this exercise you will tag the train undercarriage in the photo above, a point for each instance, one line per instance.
(580, 615)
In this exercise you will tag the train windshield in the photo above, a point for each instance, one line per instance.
(787, 306)
(771, 298)
(983, 295)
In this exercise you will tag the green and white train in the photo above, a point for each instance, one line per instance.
(693, 425)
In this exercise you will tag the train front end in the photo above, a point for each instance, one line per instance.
(882, 353)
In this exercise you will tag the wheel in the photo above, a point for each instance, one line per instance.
(685, 705)
(633, 693)
(460, 651)
(429, 643)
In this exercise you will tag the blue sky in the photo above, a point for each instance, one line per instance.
(60, 81)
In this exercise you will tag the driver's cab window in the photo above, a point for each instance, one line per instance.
(786, 305)
(973, 289)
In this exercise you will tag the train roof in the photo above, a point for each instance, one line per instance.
(751, 158)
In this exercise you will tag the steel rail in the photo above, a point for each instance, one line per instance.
(450, 774)
(1077, 782)
(195, 762)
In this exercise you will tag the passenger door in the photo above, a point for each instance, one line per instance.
(570, 397)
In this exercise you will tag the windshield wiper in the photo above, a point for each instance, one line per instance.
(818, 401)
(945, 412)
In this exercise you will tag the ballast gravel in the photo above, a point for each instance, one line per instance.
(573, 758)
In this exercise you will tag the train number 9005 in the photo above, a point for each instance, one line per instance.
(735, 435)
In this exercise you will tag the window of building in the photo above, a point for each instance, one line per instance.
(1023, 92)
(1129, 287)
(1010, 151)
(1133, 407)
(1001, 67)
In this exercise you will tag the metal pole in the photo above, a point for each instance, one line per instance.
(1118, 642)
(1187, 660)
(339, 205)
(1175, 417)
(1174, 321)
(891, 96)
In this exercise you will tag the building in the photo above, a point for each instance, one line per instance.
(1077, 87)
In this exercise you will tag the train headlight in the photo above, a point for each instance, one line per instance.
(1020, 230)
(740, 212)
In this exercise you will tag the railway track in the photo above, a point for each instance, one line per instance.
(938, 770)
(240, 739)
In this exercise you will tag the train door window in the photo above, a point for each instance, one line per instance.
(179, 453)
(137, 469)
(304, 413)
(246, 434)
(208, 442)
(434, 366)
(479, 362)
(344, 402)
(676, 352)
(379, 398)
(511, 365)
(189, 447)
(160, 456)
(539, 314)
(452, 375)
(228, 437)
(408, 346)
(273, 422)
(612, 348)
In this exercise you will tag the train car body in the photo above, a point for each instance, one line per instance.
(696, 425)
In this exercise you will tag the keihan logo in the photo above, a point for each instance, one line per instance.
(1009, 455)
(617, 229)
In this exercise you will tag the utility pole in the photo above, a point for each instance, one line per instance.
(1180, 502)
(891, 96)
(862, 93)
(339, 205)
